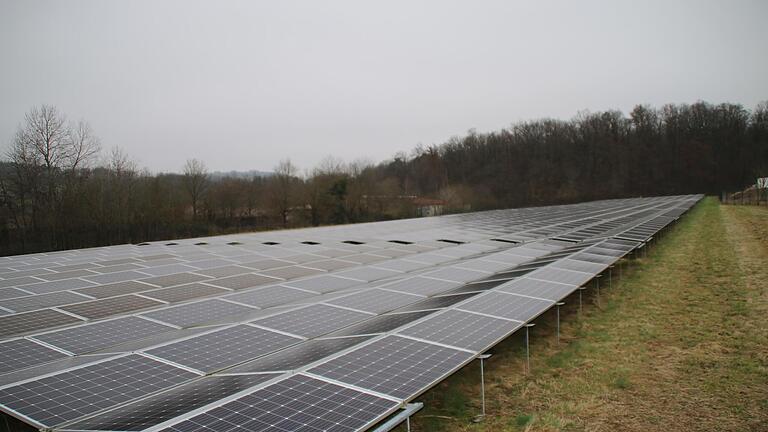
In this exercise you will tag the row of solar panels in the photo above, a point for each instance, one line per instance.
(219, 348)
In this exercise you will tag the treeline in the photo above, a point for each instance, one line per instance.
(59, 190)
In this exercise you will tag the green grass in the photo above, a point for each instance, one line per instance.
(679, 343)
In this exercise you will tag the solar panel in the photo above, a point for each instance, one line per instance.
(7, 293)
(508, 306)
(381, 366)
(421, 286)
(331, 264)
(172, 403)
(66, 275)
(117, 277)
(380, 324)
(32, 321)
(294, 404)
(402, 265)
(270, 296)
(223, 348)
(291, 272)
(175, 279)
(115, 289)
(203, 312)
(456, 274)
(537, 288)
(30, 303)
(563, 276)
(243, 281)
(437, 302)
(103, 334)
(312, 321)
(110, 306)
(73, 394)
(224, 271)
(581, 266)
(323, 283)
(22, 353)
(511, 283)
(368, 274)
(63, 285)
(298, 355)
(462, 329)
(26, 280)
(184, 292)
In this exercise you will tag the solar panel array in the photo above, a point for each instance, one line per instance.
(327, 328)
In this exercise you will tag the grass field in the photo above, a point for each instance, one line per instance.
(679, 343)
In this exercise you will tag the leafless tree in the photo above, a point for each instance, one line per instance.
(282, 188)
(196, 181)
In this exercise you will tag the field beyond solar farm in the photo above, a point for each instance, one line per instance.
(679, 343)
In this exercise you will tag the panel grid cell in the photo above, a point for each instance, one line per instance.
(223, 348)
(396, 366)
(22, 353)
(103, 334)
(172, 403)
(110, 306)
(203, 312)
(299, 403)
(507, 306)
(312, 321)
(462, 329)
(73, 394)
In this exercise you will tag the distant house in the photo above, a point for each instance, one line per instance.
(428, 206)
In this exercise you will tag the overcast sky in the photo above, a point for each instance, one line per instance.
(242, 85)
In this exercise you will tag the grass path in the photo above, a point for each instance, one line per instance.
(680, 343)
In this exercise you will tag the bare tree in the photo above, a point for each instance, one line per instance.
(282, 188)
(196, 181)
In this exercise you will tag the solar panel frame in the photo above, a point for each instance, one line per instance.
(19, 354)
(102, 308)
(201, 312)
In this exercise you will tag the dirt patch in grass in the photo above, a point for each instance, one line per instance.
(679, 343)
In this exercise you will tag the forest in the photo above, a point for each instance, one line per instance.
(59, 189)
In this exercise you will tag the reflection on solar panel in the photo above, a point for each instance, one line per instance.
(298, 355)
(312, 321)
(93, 337)
(172, 403)
(462, 329)
(223, 348)
(320, 311)
(379, 366)
(296, 403)
(69, 395)
(22, 353)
